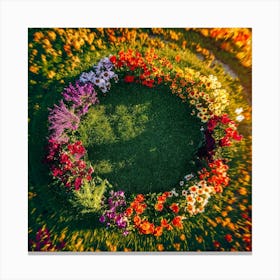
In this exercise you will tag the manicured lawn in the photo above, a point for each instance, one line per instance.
(142, 140)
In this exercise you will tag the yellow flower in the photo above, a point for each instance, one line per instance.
(51, 74)
(229, 208)
(38, 36)
(51, 35)
(76, 45)
(34, 69)
(231, 226)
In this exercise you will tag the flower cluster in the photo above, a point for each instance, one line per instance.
(113, 215)
(67, 165)
(152, 214)
(62, 119)
(81, 97)
(166, 217)
(140, 69)
(197, 197)
(238, 41)
(223, 130)
(65, 153)
(217, 175)
(101, 75)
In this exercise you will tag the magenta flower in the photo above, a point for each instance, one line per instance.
(61, 119)
(81, 97)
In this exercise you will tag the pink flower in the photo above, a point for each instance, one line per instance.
(78, 183)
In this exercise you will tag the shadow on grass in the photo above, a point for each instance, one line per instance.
(141, 140)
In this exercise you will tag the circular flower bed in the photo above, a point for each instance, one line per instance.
(151, 213)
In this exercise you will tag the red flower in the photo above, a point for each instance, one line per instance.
(228, 237)
(216, 244)
(78, 183)
(164, 224)
(90, 170)
(225, 119)
(212, 123)
(128, 211)
(162, 198)
(57, 172)
(88, 177)
(159, 81)
(177, 222)
(129, 79)
(64, 158)
(237, 136)
(159, 206)
(113, 59)
(225, 141)
(81, 164)
(174, 207)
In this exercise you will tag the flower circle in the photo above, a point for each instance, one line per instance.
(149, 214)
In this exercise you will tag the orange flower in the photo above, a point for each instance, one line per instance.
(147, 227)
(137, 220)
(164, 224)
(160, 247)
(177, 222)
(159, 207)
(158, 231)
(177, 58)
(128, 211)
(140, 208)
(140, 198)
(183, 237)
(174, 207)
(177, 246)
(161, 198)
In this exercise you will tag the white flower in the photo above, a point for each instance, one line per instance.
(184, 193)
(188, 177)
(87, 77)
(239, 111)
(181, 183)
(240, 118)
(174, 192)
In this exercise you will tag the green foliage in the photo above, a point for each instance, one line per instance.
(88, 198)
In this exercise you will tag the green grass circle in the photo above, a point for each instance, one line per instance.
(141, 139)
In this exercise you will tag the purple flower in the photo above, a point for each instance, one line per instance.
(101, 75)
(102, 219)
(126, 232)
(60, 119)
(81, 97)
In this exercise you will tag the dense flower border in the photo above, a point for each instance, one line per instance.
(151, 213)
